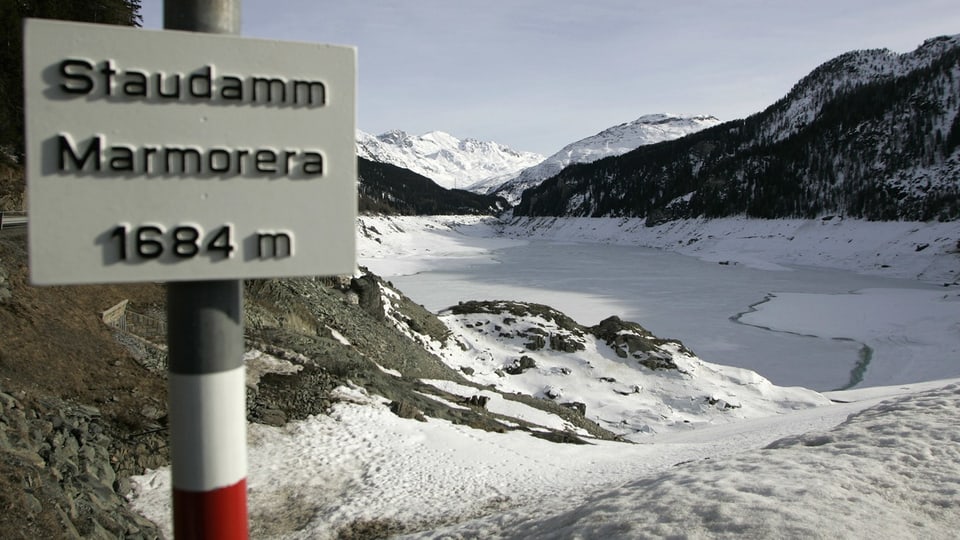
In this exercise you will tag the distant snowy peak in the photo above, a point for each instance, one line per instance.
(443, 158)
(617, 140)
(614, 141)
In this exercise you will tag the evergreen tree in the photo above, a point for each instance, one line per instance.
(12, 13)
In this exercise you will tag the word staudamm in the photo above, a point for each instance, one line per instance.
(104, 79)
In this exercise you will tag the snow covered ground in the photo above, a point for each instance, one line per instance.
(392, 246)
(891, 470)
(924, 251)
(615, 388)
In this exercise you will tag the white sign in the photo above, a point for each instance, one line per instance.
(166, 156)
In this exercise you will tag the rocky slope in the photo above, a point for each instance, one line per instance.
(82, 405)
(78, 412)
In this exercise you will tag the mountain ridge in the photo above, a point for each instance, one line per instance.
(612, 141)
(862, 67)
(390, 189)
(868, 134)
(443, 158)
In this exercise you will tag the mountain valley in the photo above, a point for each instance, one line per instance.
(371, 415)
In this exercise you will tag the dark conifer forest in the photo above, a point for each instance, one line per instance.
(388, 189)
(12, 13)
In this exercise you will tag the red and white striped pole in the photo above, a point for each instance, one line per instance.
(207, 388)
(207, 404)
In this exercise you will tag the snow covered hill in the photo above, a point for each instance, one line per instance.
(616, 373)
(890, 471)
(443, 158)
(614, 141)
(806, 100)
(492, 168)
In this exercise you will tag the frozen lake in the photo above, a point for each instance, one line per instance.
(800, 343)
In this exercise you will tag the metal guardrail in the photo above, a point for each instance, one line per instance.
(144, 336)
(122, 318)
(12, 219)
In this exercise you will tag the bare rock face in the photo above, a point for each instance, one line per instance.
(630, 340)
(520, 365)
(5, 292)
(566, 343)
(577, 406)
(404, 409)
(62, 454)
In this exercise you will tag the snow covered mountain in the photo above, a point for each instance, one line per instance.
(614, 141)
(844, 74)
(443, 158)
(869, 134)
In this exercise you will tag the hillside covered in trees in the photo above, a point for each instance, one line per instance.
(870, 134)
(388, 189)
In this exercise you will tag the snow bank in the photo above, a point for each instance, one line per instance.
(915, 250)
(397, 245)
(892, 471)
(403, 245)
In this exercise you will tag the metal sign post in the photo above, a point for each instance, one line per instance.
(207, 386)
(207, 409)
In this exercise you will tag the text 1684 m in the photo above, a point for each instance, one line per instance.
(154, 241)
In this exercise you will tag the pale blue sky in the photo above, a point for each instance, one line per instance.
(538, 74)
